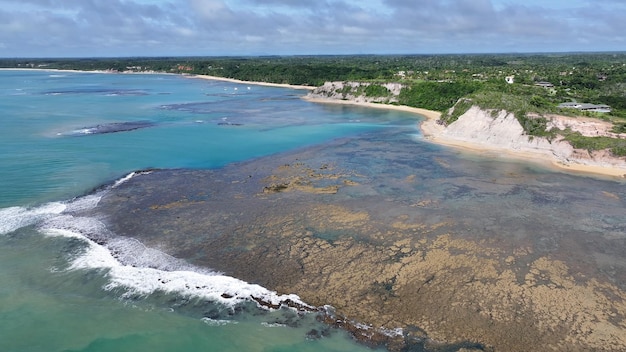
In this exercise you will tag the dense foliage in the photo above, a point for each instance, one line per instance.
(598, 78)
(438, 96)
(376, 90)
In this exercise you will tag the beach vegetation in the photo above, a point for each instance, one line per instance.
(376, 90)
(619, 127)
(617, 146)
(438, 96)
(536, 126)
(460, 108)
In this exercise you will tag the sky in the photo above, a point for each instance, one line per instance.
(115, 28)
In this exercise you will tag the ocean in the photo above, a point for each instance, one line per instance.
(63, 292)
(522, 256)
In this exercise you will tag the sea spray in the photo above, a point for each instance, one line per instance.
(13, 218)
(142, 271)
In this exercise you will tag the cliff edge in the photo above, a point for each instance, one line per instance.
(500, 132)
(491, 131)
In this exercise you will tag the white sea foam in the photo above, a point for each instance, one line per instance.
(14, 218)
(128, 177)
(82, 131)
(140, 271)
(218, 322)
(133, 268)
(123, 179)
(84, 203)
(144, 281)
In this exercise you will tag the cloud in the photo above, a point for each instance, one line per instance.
(250, 27)
(210, 9)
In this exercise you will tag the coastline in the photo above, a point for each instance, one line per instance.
(409, 266)
(232, 80)
(429, 114)
(433, 133)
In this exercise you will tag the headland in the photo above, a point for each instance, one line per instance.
(498, 134)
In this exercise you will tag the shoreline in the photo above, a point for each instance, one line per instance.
(429, 114)
(265, 84)
(432, 132)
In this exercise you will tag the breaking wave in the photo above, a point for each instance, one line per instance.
(130, 266)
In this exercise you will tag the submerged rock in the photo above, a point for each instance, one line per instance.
(113, 127)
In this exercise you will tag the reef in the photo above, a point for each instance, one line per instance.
(394, 234)
(113, 127)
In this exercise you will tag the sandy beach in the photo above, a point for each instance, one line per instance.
(216, 78)
(433, 132)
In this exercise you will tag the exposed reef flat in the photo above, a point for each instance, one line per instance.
(112, 127)
(399, 234)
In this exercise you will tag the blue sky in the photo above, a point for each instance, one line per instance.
(95, 28)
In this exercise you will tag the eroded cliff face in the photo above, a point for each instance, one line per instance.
(500, 130)
(354, 91)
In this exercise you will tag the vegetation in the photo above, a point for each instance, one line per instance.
(435, 82)
(615, 145)
(376, 90)
(438, 96)
(460, 108)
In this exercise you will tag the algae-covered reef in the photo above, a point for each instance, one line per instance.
(488, 256)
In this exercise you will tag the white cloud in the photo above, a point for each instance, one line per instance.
(221, 27)
(210, 9)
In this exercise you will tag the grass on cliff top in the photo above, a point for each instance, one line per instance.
(535, 126)
(496, 101)
(615, 145)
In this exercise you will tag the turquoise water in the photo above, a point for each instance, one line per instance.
(62, 292)
(40, 111)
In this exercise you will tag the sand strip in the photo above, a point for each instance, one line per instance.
(232, 80)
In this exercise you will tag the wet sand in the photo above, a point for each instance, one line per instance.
(459, 253)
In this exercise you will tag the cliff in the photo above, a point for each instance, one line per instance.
(500, 131)
(491, 131)
(356, 92)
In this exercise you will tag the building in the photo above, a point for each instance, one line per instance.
(544, 84)
(510, 79)
(585, 107)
